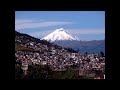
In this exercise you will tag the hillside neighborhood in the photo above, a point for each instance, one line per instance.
(30, 51)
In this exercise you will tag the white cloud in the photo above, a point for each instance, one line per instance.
(86, 31)
(27, 24)
(41, 34)
(21, 21)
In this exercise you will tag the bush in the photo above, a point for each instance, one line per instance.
(68, 74)
(18, 72)
(102, 54)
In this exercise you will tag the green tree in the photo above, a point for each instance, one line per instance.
(102, 54)
(86, 53)
(69, 74)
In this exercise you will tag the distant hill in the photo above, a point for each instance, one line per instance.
(94, 46)
(26, 37)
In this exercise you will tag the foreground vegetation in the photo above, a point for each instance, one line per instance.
(44, 72)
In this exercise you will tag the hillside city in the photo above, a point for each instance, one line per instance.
(31, 53)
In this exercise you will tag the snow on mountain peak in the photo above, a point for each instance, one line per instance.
(60, 29)
(59, 34)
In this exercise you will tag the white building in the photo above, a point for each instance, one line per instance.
(44, 62)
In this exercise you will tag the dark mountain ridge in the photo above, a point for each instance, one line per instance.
(94, 46)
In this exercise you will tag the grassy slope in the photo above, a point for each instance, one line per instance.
(22, 48)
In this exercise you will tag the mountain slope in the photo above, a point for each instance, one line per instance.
(58, 35)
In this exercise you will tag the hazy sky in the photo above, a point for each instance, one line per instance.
(87, 25)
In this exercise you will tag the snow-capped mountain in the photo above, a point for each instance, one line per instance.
(58, 35)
